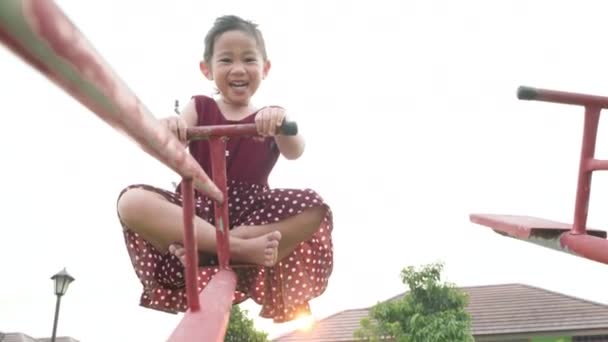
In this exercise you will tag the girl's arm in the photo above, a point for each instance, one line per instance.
(268, 120)
(291, 147)
(178, 125)
(189, 113)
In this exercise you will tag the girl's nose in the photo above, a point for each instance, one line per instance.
(238, 68)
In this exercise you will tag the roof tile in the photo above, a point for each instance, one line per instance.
(494, 309)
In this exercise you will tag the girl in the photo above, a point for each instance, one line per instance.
(285, 234)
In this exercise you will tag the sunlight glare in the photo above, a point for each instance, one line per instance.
(305, 322)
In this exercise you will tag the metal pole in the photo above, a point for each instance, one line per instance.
(56, 318)
(583, 187)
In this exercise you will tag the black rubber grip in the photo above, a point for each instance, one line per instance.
(527, 93)
(288, 128)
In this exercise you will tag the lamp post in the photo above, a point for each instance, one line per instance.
(62, 281)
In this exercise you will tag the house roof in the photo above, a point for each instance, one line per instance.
(495, 310)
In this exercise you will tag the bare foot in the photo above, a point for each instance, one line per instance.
(262, 250)
(250, 232)
(241, 232)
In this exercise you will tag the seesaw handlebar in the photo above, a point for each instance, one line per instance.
(547, 95)
(238, 130)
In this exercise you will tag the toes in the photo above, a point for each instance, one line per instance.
(270, 260)
(274, 236)
(271, 253)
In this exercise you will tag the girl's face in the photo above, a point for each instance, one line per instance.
(237, 67)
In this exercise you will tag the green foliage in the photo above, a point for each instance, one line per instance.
(430, 312)
(240, 328)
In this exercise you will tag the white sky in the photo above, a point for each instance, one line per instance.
(411, 119)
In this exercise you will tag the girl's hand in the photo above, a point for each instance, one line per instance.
(177, 126)
(269, 119)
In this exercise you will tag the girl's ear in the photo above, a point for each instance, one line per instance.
(266, 69)
(206, 70)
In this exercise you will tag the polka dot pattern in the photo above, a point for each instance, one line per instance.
(283, 291)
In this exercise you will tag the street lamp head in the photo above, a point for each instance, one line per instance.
(62, 281)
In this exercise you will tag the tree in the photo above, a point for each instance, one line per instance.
(430, 312)
(240, 328)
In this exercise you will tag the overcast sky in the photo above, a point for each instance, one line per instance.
(411, 121)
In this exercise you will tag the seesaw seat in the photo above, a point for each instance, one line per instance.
(574, 238)
(527, 227)
(210, 321)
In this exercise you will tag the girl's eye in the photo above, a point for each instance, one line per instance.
(250, 60)
(225, 60)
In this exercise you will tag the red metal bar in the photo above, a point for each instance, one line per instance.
(238, 130)
(586, 246)
(555, 96)
(40, 34)
(190, 244)
(583, 187)
(597, 165)
(206, 132)
(210, 322)
(217, 149)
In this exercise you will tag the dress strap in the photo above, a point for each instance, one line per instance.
(206, 110)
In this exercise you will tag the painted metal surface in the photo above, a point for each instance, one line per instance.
(217, 147)
(238, 130)
(573, 238)
(210, 322)
(583, 187)
(586, 246)
(208, 314)
(190, 244)
(547, 233)
(41, 34)
(563, 97)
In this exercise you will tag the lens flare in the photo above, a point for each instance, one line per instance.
(305, 322)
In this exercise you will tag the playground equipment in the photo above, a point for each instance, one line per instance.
(575, 238)
(208, 322)
(40, 33)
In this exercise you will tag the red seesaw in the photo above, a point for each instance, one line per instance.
(575, 238)
(40, 33)
(208, 322)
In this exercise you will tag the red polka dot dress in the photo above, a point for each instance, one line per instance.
(283, 290)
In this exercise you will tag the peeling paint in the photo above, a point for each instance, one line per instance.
(220, 225)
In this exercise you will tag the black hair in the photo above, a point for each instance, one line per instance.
(227, 23)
